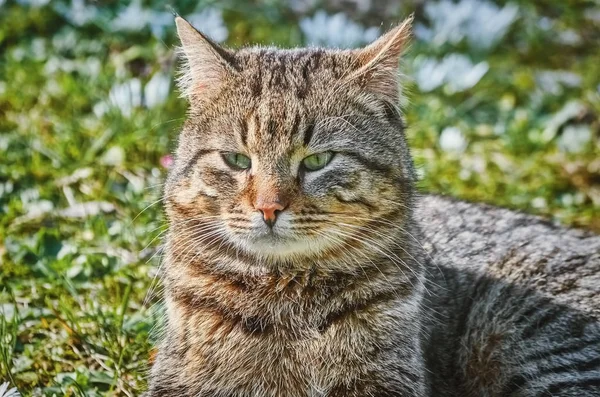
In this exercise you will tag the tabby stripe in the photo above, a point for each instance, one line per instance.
(241, 227)
(257, 125)
(166, 388)
(391, 112)
(514, 384)
(366, 110)
(193, 161)
(358, 201)
(256, 84)
(581, 384)
(244, 131)
(188, 211)
(306, 227)
(295, 126)
(353, 307)
(283, 70)
(519, 381)
(311, 62)
(538, 323)
(370, 164)
(568, 348)
(579, 366)
(308, 134)
(481, 286)
(237, 218)
(498, 304)
(251, 325)
(377, 115)
(271, 128)
(535, 307)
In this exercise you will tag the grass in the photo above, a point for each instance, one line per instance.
(80, 179)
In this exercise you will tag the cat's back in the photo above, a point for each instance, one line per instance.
(514, 247)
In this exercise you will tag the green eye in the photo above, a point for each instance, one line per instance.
(237, 160)
(317, 161)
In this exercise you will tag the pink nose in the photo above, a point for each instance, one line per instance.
(270, 210)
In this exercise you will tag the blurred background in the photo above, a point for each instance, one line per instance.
(503, 106)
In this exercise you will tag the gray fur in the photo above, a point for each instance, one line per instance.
(520, 311)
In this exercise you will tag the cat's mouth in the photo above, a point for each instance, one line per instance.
(282, 240)
(281, 244)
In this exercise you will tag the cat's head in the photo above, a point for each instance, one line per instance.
(289, 153)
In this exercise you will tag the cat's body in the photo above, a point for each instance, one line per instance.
(520, 316)
(293, 275)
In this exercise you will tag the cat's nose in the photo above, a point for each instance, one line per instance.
(270, 210)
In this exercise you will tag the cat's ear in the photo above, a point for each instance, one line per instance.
(377, 63)
(205, 63)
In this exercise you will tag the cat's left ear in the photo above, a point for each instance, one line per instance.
(377, 63)
(206, 65)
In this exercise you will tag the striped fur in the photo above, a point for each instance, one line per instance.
(361, 288)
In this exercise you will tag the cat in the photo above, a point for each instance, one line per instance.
(301, 261)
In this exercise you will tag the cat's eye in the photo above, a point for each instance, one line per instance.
(316, 161)
(237, 160)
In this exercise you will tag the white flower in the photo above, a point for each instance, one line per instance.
(126, 96)
(79, 13)
(552, 81)
(210, 22)
(462, 74)
(114, 156)
(156, 90)
(132, 18)
(7, 310)
(569, 37)
(88, 67)
(135, 18)
(539, 203)
(575, 138)
(33, 3)
(482, 23)
(6, 392)
(489, 24)
(593, 14)
(336, 31)
(453, 140)
(429, 75)
(302, 6)
(455, 71)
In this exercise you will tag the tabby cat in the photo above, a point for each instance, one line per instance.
(300, 260)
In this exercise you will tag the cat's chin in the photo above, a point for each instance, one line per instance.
(283, 247)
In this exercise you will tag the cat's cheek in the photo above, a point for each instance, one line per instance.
(315, 186)
(184, 193)
(206, 190)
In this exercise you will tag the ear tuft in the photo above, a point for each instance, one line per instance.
(205, 63)
(378, 62)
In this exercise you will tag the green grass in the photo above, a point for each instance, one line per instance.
(76, 307)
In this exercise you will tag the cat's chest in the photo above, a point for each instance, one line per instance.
(306, 362)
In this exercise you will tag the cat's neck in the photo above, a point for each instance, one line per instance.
(313, 295)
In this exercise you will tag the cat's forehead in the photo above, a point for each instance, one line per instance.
(282, 94)
(300, 70)
(298, 61)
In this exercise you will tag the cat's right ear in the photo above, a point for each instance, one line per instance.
(377, 63)
(205, 63)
